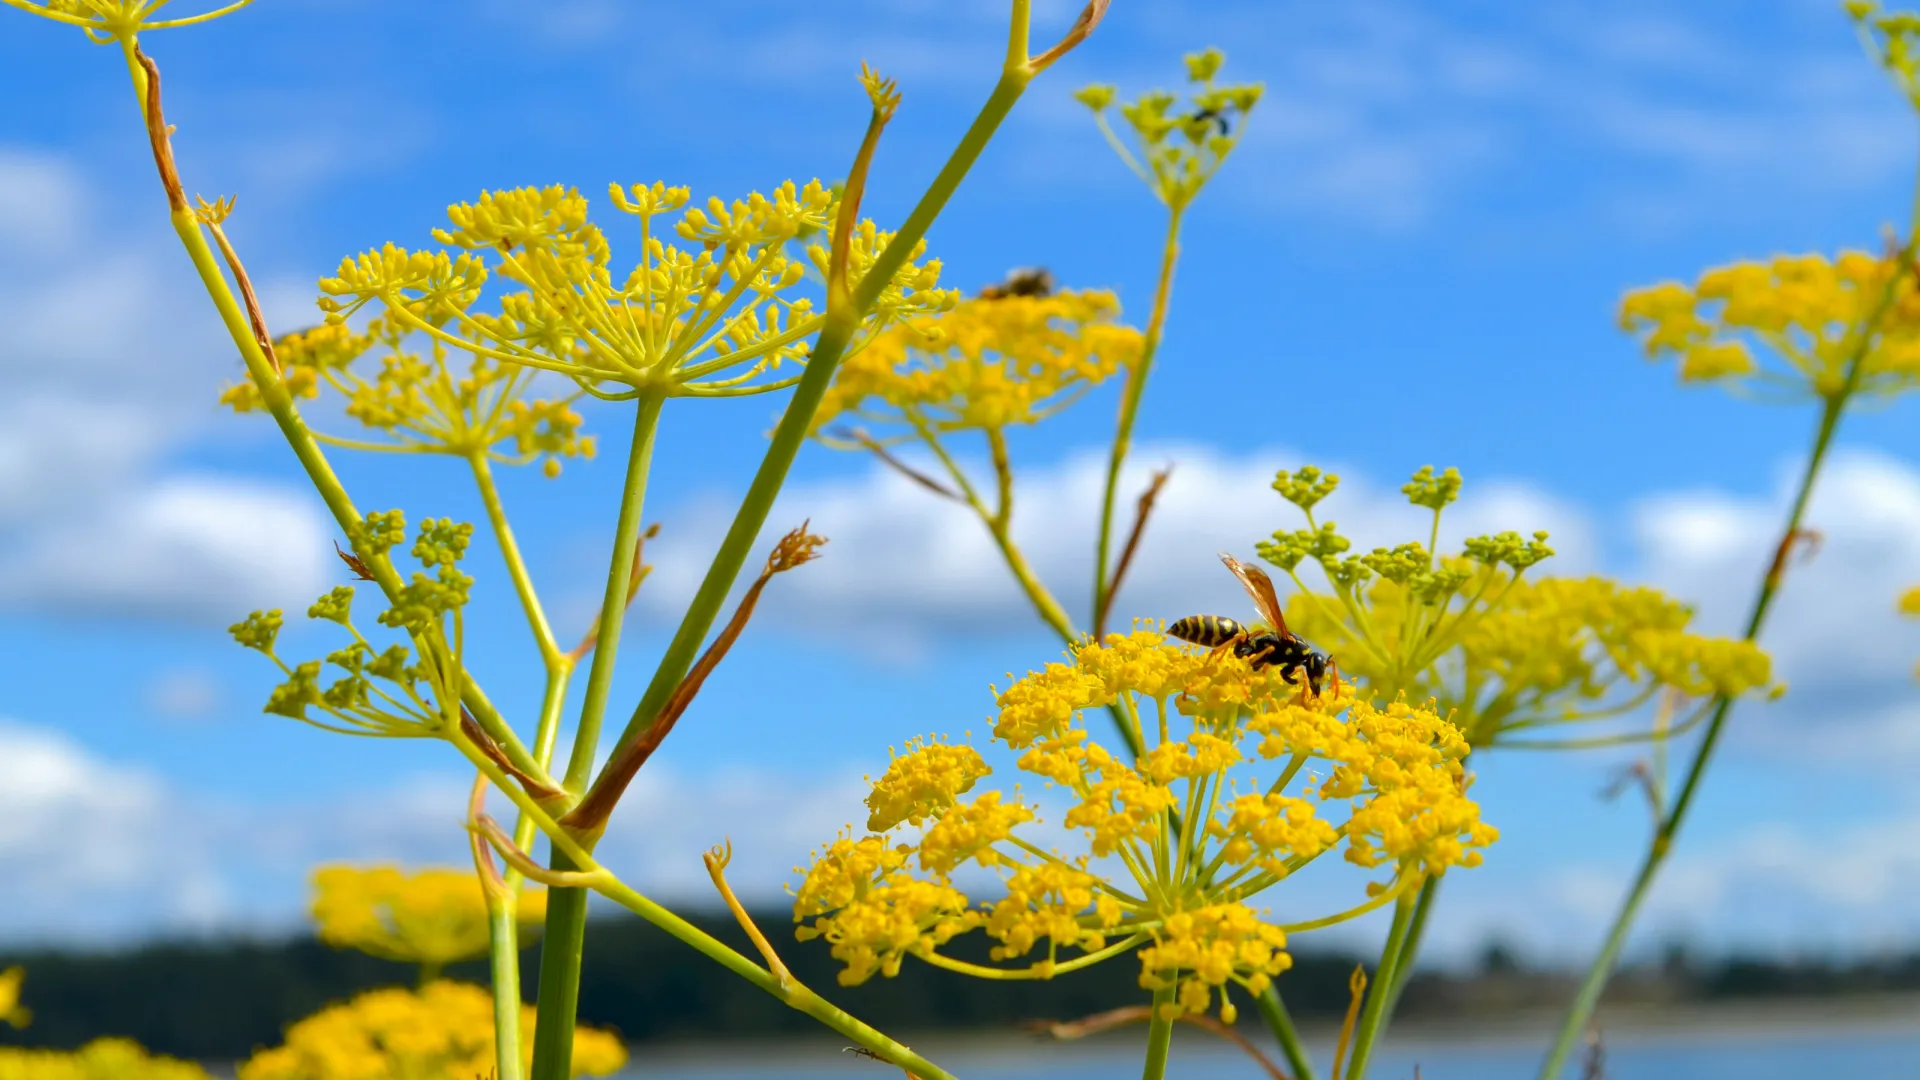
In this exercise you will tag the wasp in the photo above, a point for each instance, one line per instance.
(1209, 117)
(1270, 646)
(1032, 281)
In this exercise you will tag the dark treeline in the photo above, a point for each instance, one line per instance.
(220, 1001)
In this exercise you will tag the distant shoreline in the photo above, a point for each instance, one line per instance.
(1629, 1024)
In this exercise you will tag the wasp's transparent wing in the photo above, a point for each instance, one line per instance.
(1260, 587)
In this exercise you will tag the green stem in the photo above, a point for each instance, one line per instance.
(613, 606)
(565, 940)
(503, 941)
(1373, 1017)
(1410, 949)
(503, 944)
(1580, 1012)
(797, 421)
(1281, 1024)
(791, 992)
(1129, 412)
(516, 566)
(313, 461)
(429, 971)
(1159, 1035)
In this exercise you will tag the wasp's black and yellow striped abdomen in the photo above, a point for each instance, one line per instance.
(1207, 631)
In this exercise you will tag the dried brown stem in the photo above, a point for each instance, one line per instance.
(255, 317)
(354, 562)
(1140, 515)
(491, 882)
(485, 826)
(872, 444)
(1090, 17)
(1357, 988)
(483, 742)
(157, 135)
(1133, 1014)
(794, 549)
(717, 861)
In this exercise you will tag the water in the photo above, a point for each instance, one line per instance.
(1727, 1055)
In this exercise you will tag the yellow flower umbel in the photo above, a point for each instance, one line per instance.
(709, 315)
(478, 406)
(987, 365)
(1504, 655)
(1787, 329)
(101, 1059)
(444, 1031)
(429, 917)
(1244, 782)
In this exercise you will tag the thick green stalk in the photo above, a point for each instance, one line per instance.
(1410, 949)
(797, 421)
(566, 930)
(1159, 1035)
(1281, 1023)
(1580, 1012)
(1129, 412)
(1373, 1017)
(613, 606)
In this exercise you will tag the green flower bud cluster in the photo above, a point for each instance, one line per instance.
(404, 690)
(1180, 145)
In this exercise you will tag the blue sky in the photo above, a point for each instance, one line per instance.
(1414, 258)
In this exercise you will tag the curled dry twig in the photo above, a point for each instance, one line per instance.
(1133, 1014)
(795, 549)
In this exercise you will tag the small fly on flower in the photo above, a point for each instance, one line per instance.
(1270, 646)
(1030, 281)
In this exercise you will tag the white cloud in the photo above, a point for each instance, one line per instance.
(1834, 622)
(39, 201)
(184, 547)
(903, 567)
(186, 694)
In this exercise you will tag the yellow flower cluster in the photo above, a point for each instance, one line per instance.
(1198, 952)
(444, 1031)
(485, 406)
(1546, 653)
(1200, 823)
(101, 1059)
(985, 365)
(1500, 652)
(1807, 316)
(707, 316)
(922, 783)
(432, 917)
(873, 911)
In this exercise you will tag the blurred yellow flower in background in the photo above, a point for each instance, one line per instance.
(11, 1011)
(101, 1059)
(443, 1031)
(1787, 328)
(431, 917)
